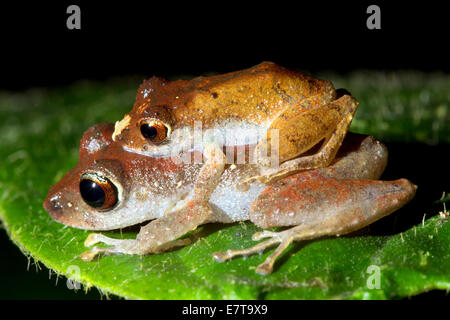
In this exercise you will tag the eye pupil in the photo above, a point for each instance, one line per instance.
(154, 131)
(92, 193)
(148, 131)
(100, 194)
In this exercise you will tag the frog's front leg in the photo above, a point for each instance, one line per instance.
(158, 236)
(118, 246)
(292, 134)
(162, 234)
(317, 208)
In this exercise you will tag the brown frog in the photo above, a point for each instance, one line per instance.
(281, 114)
(111, 188)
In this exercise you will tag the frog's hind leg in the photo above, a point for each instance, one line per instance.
(297, 135)
(317, 208)
(284, 238)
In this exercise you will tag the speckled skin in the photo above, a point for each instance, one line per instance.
(326, 201)
(255, 95)
(295, 113)
(303, 110)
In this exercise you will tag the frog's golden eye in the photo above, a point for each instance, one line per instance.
(154, 130)
(98, 192)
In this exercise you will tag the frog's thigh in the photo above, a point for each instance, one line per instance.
(340, 205)
(297, 135)
(318, 208)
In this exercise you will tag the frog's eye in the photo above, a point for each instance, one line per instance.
(154, 130)
(97, 191)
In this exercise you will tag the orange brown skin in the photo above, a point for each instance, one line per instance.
(255, 95)
(327, 201)
(304, 110)
(295, 111)
(133, 172)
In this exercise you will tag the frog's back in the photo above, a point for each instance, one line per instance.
(255, 95)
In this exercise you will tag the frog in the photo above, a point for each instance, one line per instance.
(275, 114)
(111, 188)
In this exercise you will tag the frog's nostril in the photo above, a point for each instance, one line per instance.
(53, 205)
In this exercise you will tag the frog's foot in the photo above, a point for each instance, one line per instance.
(117, 246)
(127, 246)
(284, 239)
(268, 175)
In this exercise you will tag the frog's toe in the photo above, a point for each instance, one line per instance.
(96, 251)
(283, 238)
(124, 248)
(264, 179)
(244, 185)
(229, 254)
(264, 268)
(95, 238)
(263, 234)
(222, 256)
(117, 246)
(272, 177)
(91, 254)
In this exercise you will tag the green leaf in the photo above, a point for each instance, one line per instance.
(40, 132)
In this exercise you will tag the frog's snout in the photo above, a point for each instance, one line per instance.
(53, 206)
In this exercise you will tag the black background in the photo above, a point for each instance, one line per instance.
(187, 38)
(169, 38)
